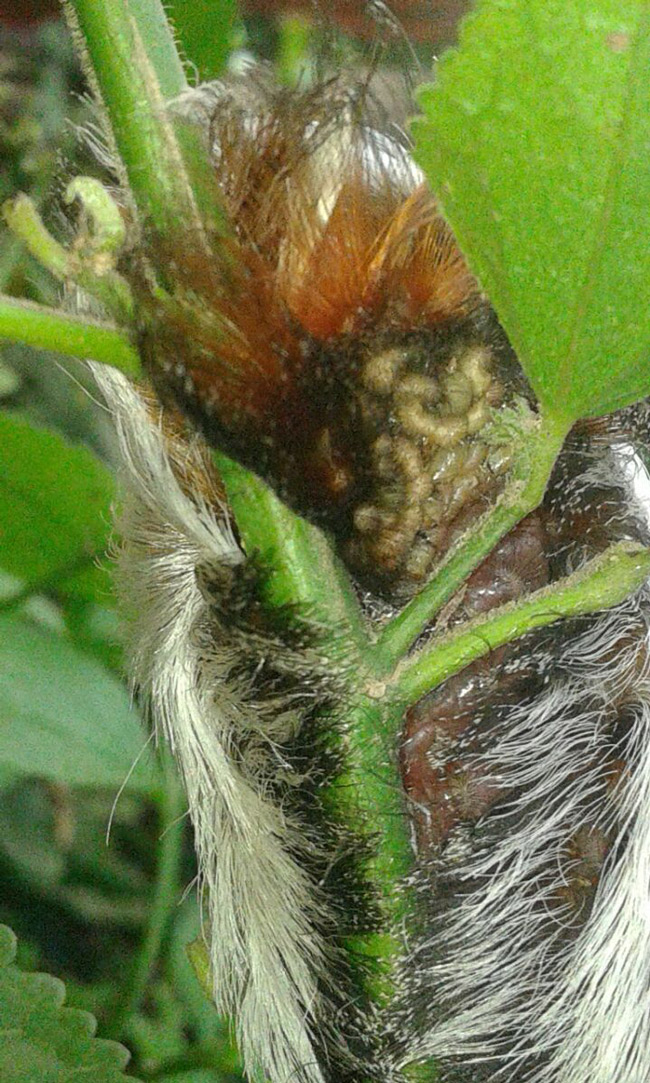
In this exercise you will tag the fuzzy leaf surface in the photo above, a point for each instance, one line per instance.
(63, 716)
(40, 1039)
(535, 138)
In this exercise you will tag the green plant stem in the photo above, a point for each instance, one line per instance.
(23, 219)
(108, 232)
(154, 28)
(523, 495)
(369, 794)
(51, 105)
(605, 581)
(293, 52)
(171, 808)
(306, 574)
(10, 256)
(107, 286)
(50, 329)
(135, 67)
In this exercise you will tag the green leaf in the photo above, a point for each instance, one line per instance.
(40, 1039)
(97, 630)
(206, 30)
(63, 716)
(210, 1030)
(7, 776)
(536, 140)
(55, 501)
(53, 846)
(196, 1075)
(27, 844)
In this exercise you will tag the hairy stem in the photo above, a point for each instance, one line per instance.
(605, 581)
(306, 574)
(107, 286)
(135, 67)
(50, 329)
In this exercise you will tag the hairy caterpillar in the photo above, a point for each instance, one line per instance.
(347, 355)
(241, 703)
(529, 771)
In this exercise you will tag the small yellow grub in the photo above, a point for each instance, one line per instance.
(433, 509)
(409, 462)
(382, 446)
(419, 560)
(477, 416)
(458, 391)
(421, 422)
(459, 495)
(475, 363)
(369, 518)
(474, 455)
(388, 549)
(445, 464)
(446, 431)
(417, 386)
(380, 371)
